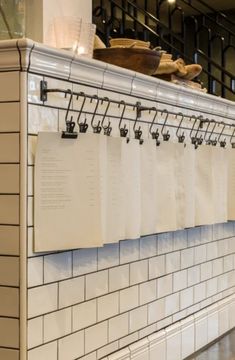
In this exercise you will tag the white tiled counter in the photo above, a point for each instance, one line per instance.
(162, 296)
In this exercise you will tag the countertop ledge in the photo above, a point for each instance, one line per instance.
(28, 55)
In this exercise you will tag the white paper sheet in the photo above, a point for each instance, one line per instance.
(67, 192)
(189, 184)
(148, 187)
(220, 181)
(131, 185)
(231, 183)
(165, 188)
(114, 216)
(204, 211)
(180, 173)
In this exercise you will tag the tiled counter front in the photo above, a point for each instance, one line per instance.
(162, 296)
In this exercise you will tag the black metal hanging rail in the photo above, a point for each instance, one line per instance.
(198, 134)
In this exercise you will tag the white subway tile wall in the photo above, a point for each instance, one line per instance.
(88, 303)
(9, 214)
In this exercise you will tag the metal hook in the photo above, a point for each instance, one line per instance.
(213, 142)
(166, 136)
(107, 129)
(206, 131)
(193, 138)
(199, 139)
(181, 137)
(154, 134)
(231, 137)
(137, 132)
(222, 142)
(83, 126)
(123, 130)
(96, 128)
(69, 133)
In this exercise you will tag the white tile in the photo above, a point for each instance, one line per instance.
(172, 304)
(140, 349)
(138, 272)
(187, 258)
(9, 180)
(228, 229)
(223, 247)
(148, 246)
(129, 251)
(217, 267)
(164, 243)
(179, 280)
(32, 145)
(206, 271)
(9, 301)
(9, 210)
(200, 330)
(157, 266)
(199, 292)
(30, 221)
(223, 281)
(186, 298)
(206, 233)
(229, 278)
(173, 342)
(199, 254)
(10, 117)
(84, 315)
(129, 298)
(9, 240)
(223, 318)
(118, 277)
(108, 256)
(213, 323)
(179, 315)
(228, 263)
(42, 300)
(164, 285)
(96, 284)
(156, 311)
(84, 261)
(193, 275)
(9, 271)
(193, 309)
(172, 262)
(147, 331)
(96, 336)
(108, 306)
(148, 292)
(128, 339)
(57, 324)
(157, 346)
(211, 287)
(35, 271)
(34, 88)
(45, 352)
(118, 327)
(11, 89)
(57, 266)
(71, 291)
(194, 236)
(9, 148)
(9, 333)
(71, 347)
(42, 119)
(138, 318)
(179, 240)
(187, 333)
(211, 250)
(9, 354)
(35, 332)
(30, 180)
(162, 324)
(218, 231)
(57, 99)
(107, 349)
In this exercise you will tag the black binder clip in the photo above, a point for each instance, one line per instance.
(69, 133)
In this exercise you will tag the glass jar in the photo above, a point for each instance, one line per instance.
(12, 19)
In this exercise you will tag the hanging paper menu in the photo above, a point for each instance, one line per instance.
(67, 192)
(231, 184)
